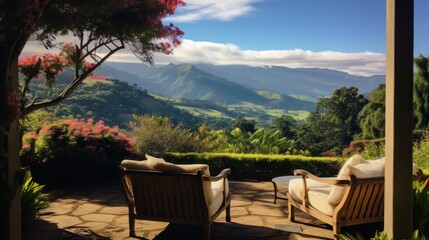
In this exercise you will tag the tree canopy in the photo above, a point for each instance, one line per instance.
(421, 92)
(99, 28)
(286, 124)
(245, 125)
(334, 123)
(372, 116)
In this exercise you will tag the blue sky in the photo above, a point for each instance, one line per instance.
(340, 25)
(345, 35)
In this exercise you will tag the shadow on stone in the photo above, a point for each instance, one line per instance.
(220, 231)
(43, 230)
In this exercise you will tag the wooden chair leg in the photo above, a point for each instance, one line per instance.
(207, 231)
(336, 229)
(228, 213)
(291, 209)
(131, 222)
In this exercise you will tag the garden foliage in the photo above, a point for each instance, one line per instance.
(156, 135)
(75, 151)
(259, 166)
(421, 209)
(238, 141)
(32, 198)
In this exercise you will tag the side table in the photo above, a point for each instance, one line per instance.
(284, 180)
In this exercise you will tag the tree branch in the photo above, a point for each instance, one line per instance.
(69, 88)
(100, 45)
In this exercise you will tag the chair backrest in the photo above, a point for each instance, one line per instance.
(176, 197)
(364, 201)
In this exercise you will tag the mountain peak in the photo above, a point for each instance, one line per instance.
(189, 68)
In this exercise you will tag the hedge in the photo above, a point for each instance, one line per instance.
(259, 167)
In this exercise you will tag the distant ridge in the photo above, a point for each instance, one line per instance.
(310, 83)
(187, 81)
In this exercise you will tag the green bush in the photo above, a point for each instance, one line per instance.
(259, 166)
(32, 198)
(421, 209)
(369, 149)
(421, 155)
(239, 141)
(156, 135)
(378, 236)
(75, 151)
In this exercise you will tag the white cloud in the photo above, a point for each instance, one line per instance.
(361, 63)
(212, 9)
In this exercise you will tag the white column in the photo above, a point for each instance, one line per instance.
(399, 118)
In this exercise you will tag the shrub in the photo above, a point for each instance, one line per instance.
(239, 141)
(75, 151)
(421, 209)
(156, 135)
(378, 236)
(369, 149)
(259, 166)
(421, 155)
(32, 198)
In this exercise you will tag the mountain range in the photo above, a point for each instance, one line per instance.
(219, 94)
(237, 83)
(202, 93)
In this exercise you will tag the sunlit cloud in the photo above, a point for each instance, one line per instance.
(360, 63)
(196, 10)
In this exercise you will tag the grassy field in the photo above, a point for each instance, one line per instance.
(261, 114)
(298, 115)
(203, 112)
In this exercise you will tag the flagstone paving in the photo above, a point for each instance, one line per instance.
(100, 212)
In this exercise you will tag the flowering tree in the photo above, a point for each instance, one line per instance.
(100, 27)
(75, 151)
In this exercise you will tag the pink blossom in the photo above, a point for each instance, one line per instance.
(26, 146)
(28, 66)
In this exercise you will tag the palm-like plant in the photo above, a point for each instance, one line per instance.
(32, 198)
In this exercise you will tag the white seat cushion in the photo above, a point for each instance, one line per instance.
(217, 188)
(296, 187)
(338, 192)
(318, 194)
(373, 169)
(366, 169)
(319, 199)
(216, 203)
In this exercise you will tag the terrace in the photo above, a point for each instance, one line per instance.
(100, 212)
(70, 217)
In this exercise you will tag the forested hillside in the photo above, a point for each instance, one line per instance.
(114, 102)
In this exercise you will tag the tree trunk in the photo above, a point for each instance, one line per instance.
(15, 173)
(10, 177)
(16, 26)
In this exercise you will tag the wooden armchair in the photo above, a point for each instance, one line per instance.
(362, 201)
(174, 197)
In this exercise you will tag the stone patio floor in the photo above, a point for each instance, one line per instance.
(100, 212)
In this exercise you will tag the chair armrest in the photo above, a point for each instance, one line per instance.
(223, 174)
(305, 174)
(330, 181)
